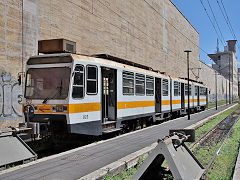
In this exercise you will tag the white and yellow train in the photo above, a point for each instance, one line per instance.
(94, 95)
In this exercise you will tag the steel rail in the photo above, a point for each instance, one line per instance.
(217, 152)
(209, 131)
(223, 138)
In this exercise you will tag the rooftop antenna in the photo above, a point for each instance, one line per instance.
(217, 46)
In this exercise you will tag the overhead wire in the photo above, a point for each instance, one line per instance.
(229, 23)
(215, 20)
(225, 18)
(211, 22)
(228, 20)
(175, 27)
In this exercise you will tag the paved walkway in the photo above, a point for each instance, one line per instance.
(79, 162)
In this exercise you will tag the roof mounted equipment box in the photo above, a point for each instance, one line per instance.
(56, 46)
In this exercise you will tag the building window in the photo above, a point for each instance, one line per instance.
(140, 84)
(149, 85)
(78, 82)
(92, 80)
(176, 88)
(128, 83)
(165, 87)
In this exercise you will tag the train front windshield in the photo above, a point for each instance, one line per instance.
(47, 83)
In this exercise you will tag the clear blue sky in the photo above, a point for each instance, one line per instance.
(195, 13)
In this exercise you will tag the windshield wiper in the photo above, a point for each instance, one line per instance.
(59, 91)
(60, 88)
(45, 100)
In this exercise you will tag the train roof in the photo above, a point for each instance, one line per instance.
(110, 63)
(50, 55)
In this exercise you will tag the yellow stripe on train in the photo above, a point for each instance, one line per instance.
(135, 104)
(84, 107)
(89, 107)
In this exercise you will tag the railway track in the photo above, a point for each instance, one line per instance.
(216, 136)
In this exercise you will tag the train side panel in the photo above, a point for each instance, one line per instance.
(176, 95)
(203, 98)
(133, 103)
(85, 107)
(196, 99)
(166, 108)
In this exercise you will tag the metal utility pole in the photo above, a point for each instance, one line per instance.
(229, 83)
(216, 89)
(188, 51)
(232, 81)
(226, 92)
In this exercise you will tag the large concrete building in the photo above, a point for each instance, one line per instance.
(150, 32)
(226, 64)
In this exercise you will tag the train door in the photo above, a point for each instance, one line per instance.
(109, 94)
(157, 95)
(206, 93)
(198, 99)
(193, 95)
(182, 96)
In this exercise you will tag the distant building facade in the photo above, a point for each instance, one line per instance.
(226, 64)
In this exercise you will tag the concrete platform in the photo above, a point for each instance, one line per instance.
(82, 161)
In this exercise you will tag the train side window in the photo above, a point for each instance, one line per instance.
(186, 89)
(140, 84)
(179, 89)
(78, 82)
(196, 90)
(165, 87)
(128, 83)
(91, 80)
(201, 93)
(190, 89)
(149, 85)
(176, 88)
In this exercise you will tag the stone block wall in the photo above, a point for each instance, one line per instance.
(149, 32)
(10, 62)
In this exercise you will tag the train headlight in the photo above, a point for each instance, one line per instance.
(28, 112)
(25, 110)
(29, 109)
(59, 108)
